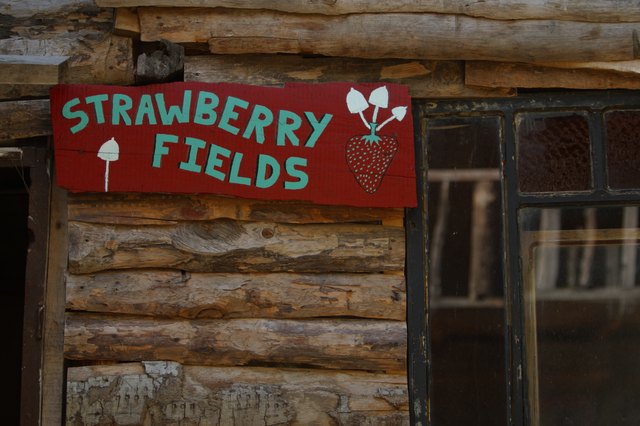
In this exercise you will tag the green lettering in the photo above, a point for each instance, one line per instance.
(205, 113)
(97, 101)
(288, 123)
(317, 126)
(145, 108)
(194, 146)
(121, 104)
(261, 117)
(181, 115)
(160, 149)
(303, 178)
(230, 114)
(213, 161)
(234, 176)
(266, 162)
(69, 115)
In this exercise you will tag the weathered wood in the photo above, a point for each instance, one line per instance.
(575, 10)
(626, 67)
(19, 91)
(496, 74)
(177, 294)
(24, 119)
(12, 154)
(18, 69)
(432, 36)
(53, 356)
(75, 29)
(164, 64)
(231, 246)
(126, 22)
(356, 344)
(164, 209)
(166, 393)
(426, 79)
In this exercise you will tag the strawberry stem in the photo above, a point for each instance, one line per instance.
(372, 137)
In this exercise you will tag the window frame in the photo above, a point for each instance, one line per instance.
(594, 105)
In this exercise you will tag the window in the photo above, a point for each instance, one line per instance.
(529, 233)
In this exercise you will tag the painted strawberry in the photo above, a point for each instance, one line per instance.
(369, 156)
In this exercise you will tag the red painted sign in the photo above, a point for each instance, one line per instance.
(334, 143)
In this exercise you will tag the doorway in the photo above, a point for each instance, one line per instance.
(24, 224)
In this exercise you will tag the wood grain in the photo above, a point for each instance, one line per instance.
(161, 293)
(432, 36)
(168, 393)
(169, 209)
(355, 344)
(40, 70)
(575, 10)
(79, 30)
(497, 74)
(426, 79)
(232, 246)
(24, 119)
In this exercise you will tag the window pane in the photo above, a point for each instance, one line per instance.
(623, 149)
(465, 281)
(553, 153)
(582, 314)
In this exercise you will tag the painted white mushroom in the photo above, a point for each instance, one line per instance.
(109, 151)
(380, 99)
(357, 103)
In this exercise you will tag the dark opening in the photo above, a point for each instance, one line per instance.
(14, 211)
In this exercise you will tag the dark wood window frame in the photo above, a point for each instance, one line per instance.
(594, 104)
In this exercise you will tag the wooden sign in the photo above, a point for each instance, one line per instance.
(334, 143)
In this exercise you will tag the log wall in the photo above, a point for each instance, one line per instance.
(297, 310)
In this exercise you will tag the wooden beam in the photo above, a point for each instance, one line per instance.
(127, 23)
(76, 29)
(18, 69)
(426, 79)
(233, 246)
(432, 36)
(53, 356)
(24, 119)
(496, 74)
(576, 10)
(10, 154)
(161, 293)
(373, 345)
(169, 209)
(168, 393)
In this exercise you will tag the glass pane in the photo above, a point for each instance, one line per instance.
(553, 153)
(623, 149)
(581, 271)
(466, 304)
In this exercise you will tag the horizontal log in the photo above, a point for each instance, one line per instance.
(170, 393)
(127, 23)
(24, 119)
(497, 74)
(165, 209)
(162, 293)
(575, 10)
(40, 70)
(432, 36)
(77, 29)
(231, 246)
(20, 91)
(356, 344)
(426, 79)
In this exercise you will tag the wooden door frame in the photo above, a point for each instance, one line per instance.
(35, 159)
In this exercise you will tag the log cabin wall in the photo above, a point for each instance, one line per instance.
(209, 310)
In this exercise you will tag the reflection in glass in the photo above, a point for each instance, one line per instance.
(581, 271)
(466, 304)
(623, 149)
(553, 153)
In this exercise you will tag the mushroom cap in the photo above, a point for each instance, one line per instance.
(399, 112)
(380, 97)
(356, 102)
(109, 151)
